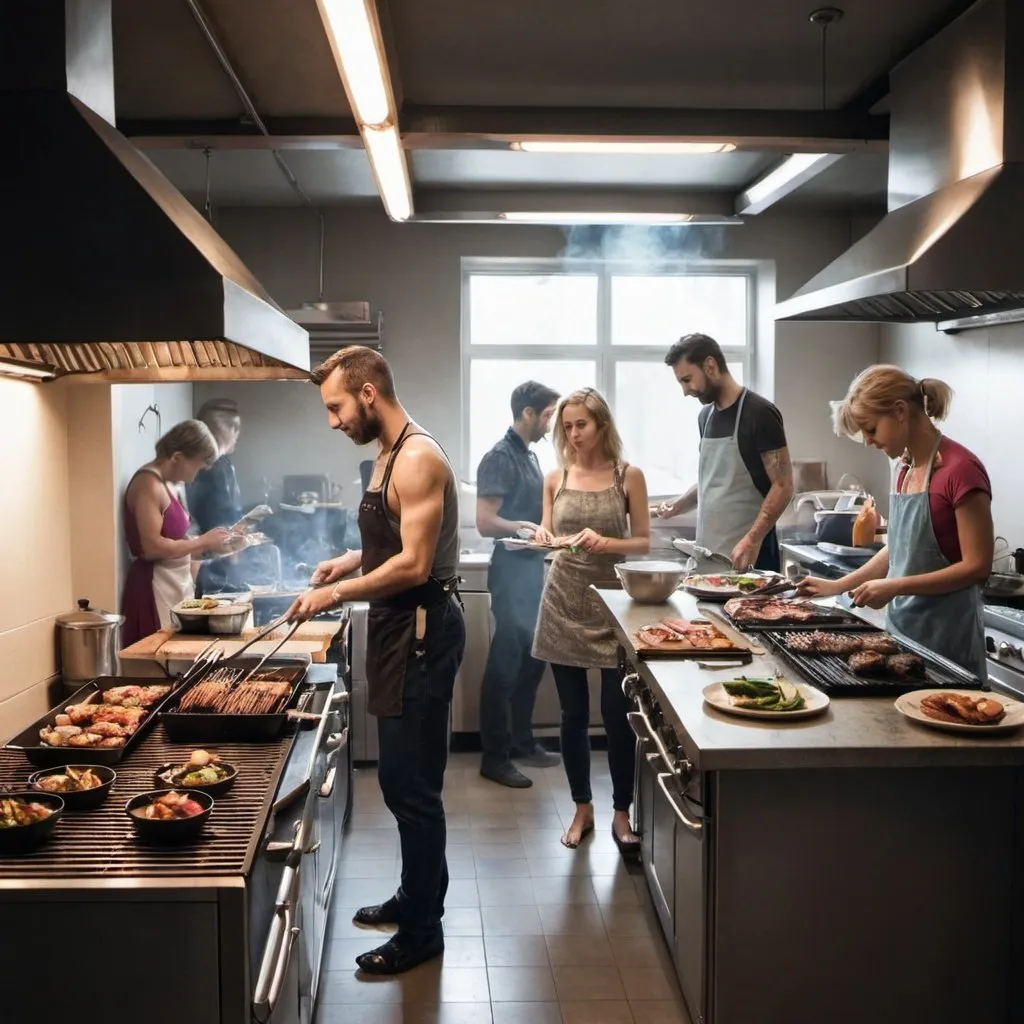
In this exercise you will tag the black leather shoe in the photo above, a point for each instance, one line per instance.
(400, 954)
(506, 774)
(381, 914)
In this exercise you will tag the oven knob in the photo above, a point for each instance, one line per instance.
(1008, 650)
(990, 645)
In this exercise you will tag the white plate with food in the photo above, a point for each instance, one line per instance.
(974, 711)
(723, 586)
(522, 544)
(775, 699)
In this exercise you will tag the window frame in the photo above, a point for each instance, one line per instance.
(603, 352)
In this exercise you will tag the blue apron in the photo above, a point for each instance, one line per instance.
(949, 624)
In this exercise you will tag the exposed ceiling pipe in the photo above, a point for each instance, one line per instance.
(222, 58)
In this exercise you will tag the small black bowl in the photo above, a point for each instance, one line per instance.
(24, 837)
(86, 800)
(173, 830)
(213, 788)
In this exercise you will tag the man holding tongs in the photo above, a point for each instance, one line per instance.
(409, 527)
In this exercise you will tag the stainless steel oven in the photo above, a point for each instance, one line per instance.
(673, 827)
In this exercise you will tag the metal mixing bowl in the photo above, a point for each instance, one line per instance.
(650, 582)
(229, 622)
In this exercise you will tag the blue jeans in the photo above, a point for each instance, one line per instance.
(413, 755)
(508, 690)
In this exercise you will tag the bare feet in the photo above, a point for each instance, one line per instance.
(625, 838)
(582, 825)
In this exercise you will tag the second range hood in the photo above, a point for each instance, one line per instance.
(949, 249)
(110, 271)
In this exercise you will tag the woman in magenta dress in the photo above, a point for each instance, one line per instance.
(156, 524)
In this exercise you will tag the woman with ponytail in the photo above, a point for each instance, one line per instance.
(939, 549)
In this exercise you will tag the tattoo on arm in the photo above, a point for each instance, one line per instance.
(779, 468)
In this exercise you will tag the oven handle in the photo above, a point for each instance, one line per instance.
(696, 827)
(277, 952)
(327, 787)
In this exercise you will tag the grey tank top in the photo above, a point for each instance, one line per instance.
(446, 554)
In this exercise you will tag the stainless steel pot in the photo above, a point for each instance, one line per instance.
(1004, 584)
(89, 642)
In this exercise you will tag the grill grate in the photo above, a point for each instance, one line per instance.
(830, 673)
(101, 843)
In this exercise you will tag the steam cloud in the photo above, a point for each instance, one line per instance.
(653, 246)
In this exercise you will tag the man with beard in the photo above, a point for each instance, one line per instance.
(744, 477)
(415, 636)
(510, 499)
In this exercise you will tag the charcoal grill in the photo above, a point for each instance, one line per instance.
(831, 674)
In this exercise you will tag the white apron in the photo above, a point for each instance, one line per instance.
(728, 503)
(949, 624)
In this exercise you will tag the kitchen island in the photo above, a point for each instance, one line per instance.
(845, 868)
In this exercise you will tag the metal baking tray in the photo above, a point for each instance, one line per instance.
(210, 727)
(28, 743)
(829, 618)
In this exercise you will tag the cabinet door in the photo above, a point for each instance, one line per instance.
(466, 694)
(691, 917)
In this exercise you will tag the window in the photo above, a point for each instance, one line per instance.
(572, 324)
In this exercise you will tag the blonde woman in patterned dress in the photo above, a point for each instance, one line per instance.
(595, 507)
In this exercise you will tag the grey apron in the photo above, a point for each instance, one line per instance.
(728, 503)
(949, 624)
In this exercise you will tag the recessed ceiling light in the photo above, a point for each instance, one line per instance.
(645, 147)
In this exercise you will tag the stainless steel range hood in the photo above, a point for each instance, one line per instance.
(110, 271)
(949, 249)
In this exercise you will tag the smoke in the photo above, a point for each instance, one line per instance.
(655, 247)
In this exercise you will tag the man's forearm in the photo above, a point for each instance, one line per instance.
(497, 527)
(398, 573)
(686, 502)
(775, 503)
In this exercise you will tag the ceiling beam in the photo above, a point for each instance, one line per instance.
(878, 87)
(787, 131)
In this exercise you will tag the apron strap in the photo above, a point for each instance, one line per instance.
(929, 470)
(739, 413)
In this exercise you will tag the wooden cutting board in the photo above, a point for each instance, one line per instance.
(311, 638)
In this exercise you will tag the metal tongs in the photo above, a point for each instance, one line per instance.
(695, 551)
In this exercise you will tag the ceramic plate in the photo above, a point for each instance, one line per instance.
(909, 704)
(723, 591)
(519, 544)
(815, 703)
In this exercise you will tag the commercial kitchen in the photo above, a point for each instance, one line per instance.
(204, 199)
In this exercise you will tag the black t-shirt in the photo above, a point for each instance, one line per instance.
(761, 430)
(510, 471)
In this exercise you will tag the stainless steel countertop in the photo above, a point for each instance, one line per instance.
(854, 732)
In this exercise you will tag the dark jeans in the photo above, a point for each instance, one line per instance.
(512, 675)
(413, 755)
(574, 697)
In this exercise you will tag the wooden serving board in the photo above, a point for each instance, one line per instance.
(311, 638)
(684, 649)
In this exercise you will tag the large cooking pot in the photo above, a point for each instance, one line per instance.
(88, 644)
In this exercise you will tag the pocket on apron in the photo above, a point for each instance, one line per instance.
(390, 642)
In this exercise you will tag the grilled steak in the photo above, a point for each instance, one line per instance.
(880, 643)
(867, 663)
(904, 665)
(822, 642)
(746, 609)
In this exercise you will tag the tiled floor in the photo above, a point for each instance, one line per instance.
(534, 933)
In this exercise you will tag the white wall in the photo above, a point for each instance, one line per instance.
(412, 273)
(985, 368)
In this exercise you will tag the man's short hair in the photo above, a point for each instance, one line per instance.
(360, 365)
(532, 395)
(695, 348)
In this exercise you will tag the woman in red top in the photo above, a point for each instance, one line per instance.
(939, 548)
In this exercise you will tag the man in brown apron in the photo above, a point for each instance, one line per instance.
(409, 526)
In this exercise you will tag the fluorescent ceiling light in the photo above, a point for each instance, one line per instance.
(360, 52)
(783, 179)
(594, 217)
(387, 159)
(644, 147)
(15, 368)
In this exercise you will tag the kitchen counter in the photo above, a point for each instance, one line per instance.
(801, 871)
(853, 731)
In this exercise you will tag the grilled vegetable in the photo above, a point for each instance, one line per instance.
(744, 687)
(764, 694)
